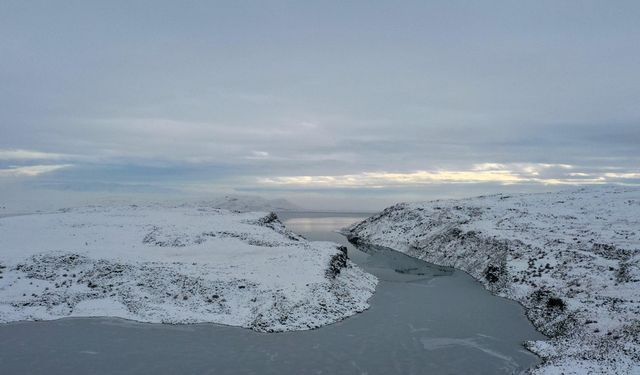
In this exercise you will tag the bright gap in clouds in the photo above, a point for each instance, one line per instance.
(505, 174)
(31, 170)
(18, 154)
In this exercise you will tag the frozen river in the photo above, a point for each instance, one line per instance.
(423, 319)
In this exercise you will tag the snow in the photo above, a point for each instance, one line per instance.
(571, 258)
(247, 203)
(186, 263)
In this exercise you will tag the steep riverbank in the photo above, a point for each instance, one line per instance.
(571, 258)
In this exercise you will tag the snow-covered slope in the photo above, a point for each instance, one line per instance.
(181, 264)
(247, 203)
(571, 258)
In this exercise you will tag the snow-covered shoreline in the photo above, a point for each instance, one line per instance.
(572, 259)
(174, 264)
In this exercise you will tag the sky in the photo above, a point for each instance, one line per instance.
(333, 104)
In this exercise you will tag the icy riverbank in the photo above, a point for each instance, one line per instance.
(181, 264)
(571, 258)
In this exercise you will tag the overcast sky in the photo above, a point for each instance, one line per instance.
(342, 104)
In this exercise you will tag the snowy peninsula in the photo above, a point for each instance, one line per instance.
(186, 263)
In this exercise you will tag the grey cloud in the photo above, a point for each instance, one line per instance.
(223, 95)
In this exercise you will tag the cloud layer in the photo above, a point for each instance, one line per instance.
(329, 95)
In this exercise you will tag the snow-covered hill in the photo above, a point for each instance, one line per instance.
(571, 258)
(180, 264)
(248, 203)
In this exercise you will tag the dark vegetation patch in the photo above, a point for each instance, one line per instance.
(336, 264)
